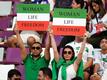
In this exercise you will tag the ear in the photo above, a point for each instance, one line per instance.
(78, 5)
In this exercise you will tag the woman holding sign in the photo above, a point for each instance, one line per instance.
(68, 66)
(97, 22)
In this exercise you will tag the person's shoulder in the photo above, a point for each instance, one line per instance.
(97, 51)
(88, 44)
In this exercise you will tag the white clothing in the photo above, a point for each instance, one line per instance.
(70, 73)
(88, 52)
(93, 23)
(104, 19)
(104, 77)
(98, 59)
(51, 2)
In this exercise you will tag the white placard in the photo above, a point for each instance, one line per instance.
(5, 8)
(1, 54)
(4, 70)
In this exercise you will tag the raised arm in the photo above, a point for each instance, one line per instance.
(79, 57)
(47, 47)
(21, 44)
(54, 46)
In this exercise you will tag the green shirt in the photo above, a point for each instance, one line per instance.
(32, 66)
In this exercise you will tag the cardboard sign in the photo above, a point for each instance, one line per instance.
(33, 16)
(69, 22)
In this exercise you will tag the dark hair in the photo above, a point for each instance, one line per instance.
(63, 3)
(46, 72)
(27, 2)
(98, 40)
(81, 2)
(69, 48)
(13, 72)
(102, 10)
(103, 37)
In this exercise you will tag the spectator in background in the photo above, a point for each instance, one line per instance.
(30, 41)
(45, 74)
(11, 42)
(29, 37)
(77, 4)
(14, 74)
(97, 12)
(33, 61)
(100, 61)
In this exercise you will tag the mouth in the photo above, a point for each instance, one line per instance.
(35, 55)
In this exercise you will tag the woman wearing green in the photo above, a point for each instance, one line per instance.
(67, 66)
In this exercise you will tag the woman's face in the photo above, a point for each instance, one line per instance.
(95, 6)
(68, 53)
(75, 5)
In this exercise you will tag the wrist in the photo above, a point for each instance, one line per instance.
(95, 73)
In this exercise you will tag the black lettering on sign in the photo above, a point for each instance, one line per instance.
(32, 16)
(68, 29)
(68, 21)
(32, 25)
(69, 14)
(33, 9)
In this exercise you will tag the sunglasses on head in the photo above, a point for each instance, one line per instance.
(67, 52)
(36, 48)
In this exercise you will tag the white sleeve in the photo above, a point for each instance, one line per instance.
(104, 19)
(51, 2)
(97, 58)
(91, 51)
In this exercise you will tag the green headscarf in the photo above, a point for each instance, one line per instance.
(62, 63)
